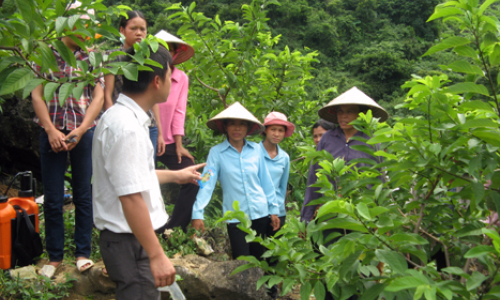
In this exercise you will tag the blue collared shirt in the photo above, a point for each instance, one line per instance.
(279, 169)
(243, 177)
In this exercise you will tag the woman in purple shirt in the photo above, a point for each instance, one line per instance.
(342, 111)
(173, 115)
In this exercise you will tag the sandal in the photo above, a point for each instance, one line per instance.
(80, 265)
(49, 270)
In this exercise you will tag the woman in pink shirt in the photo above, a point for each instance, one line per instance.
(172, 116)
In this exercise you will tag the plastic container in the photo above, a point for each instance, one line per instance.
(8, 216)
(7, 213)
(174, 290)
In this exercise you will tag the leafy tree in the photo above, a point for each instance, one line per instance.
(30, 28)
(421, 233)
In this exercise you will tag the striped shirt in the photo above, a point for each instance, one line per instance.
(71, 114)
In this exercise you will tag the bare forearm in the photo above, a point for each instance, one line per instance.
(166, 176)
(178, 141)
(109, 81)
(137, 215)
(94, 108)
(40, 108)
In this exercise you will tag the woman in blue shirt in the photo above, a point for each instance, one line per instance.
(277, 160)
(240, 168)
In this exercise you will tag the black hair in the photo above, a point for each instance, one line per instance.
(144, 78)
(325, 124)
(175, 46)
(130, 15)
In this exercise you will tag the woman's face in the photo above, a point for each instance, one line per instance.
(236, 130)
(346, 114)
(135, 30)
(275, 134)
(318, 133)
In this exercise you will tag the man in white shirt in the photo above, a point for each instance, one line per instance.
(127, 202)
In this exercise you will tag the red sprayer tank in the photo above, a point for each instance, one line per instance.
(26, 200)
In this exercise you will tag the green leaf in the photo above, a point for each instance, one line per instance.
(131, 71)
(95, 58)
(49, 90)
(246, 267)
(274, 280)
(393, 259)
(48, 58)
(466, 51)
(66, 53)
(489, 136)
(16, 80)
(463, 66)
(447, 43)
(373, 292)
(479, 251)
(78, 89)
(467, 87)
(408, 239)
(444, 12)
(456, 271)
(377, 211)
(363, 210)
(475, 280)
(7, 61)
(404, 283)
(485, 5)
(430, 294)
(61, 24)
(302, 271)
(319, 291)
(287, 286)
(478, 189)
(64, 92)
(31, 86)
(305, 291)
(346, 223)
(479, 123)
(191, 7)
(348, 263)
(26, 8)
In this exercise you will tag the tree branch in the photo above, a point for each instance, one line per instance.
(28, 63)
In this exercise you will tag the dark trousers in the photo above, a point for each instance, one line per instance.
(53, 170)
(239, 245)
(128, 266)
(181, 216)
(153, 136)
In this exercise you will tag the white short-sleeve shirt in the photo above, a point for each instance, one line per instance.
(123, 164)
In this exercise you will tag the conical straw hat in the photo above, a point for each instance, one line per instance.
(187, 50)
(238, 112)
(354, 96)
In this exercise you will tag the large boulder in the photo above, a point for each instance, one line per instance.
(19, 137)
(204, 279)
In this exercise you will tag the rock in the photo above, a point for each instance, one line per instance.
(28, 272)
(86, 283)
(19, 138)
(203, 279)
